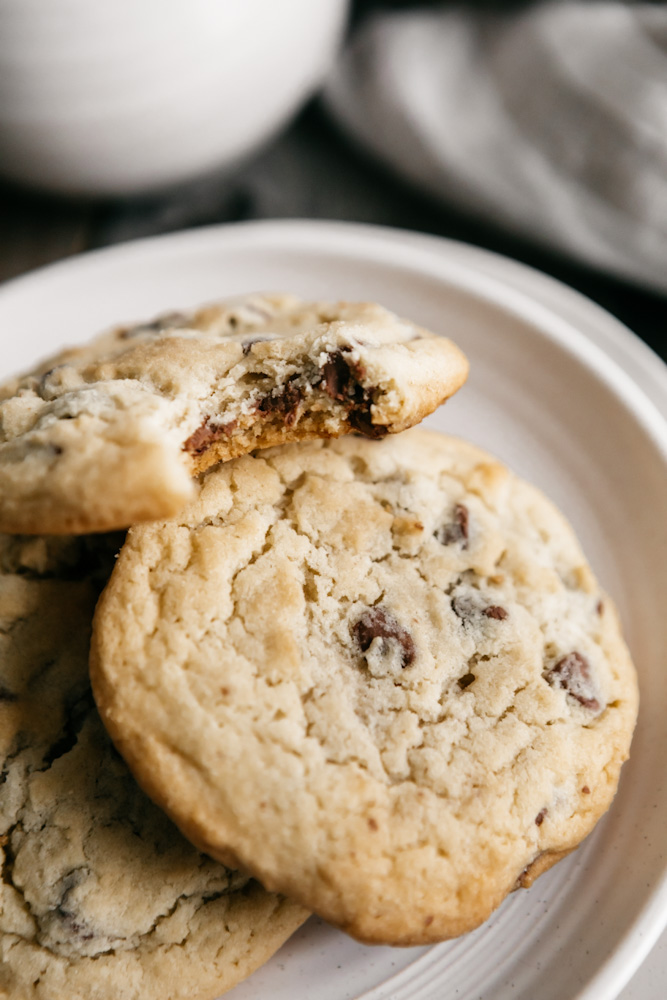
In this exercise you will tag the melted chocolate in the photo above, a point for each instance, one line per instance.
(206, 435)
(377, 623)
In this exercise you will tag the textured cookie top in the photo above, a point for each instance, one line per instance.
(100, 895)
(110, 434)
(379, 675)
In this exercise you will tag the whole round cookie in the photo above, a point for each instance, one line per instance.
(101, 896)
(379, 675)
(111, 434)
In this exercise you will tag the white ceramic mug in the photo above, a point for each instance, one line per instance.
(121, 97)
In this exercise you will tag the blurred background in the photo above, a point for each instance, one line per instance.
(537, 130)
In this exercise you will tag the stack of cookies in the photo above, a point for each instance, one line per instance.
(359, 669)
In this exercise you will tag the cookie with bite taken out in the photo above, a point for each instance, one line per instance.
(111, 433)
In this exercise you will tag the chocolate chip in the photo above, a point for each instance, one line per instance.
(284, 403)
(494, 611)
(378, 623)
(372, 823)
(340, 378)
(539, 819)
(292, 397)
(206, 435)
(468, 607)
(363, 424)
(466, 681)
(573, 673)
(456, 531)
(336, 377)
(586, 790)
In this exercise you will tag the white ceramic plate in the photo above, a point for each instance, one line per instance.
(548, 393)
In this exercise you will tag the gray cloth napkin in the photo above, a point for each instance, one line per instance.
(551, 121)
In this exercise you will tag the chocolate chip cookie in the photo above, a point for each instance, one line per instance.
(112, 433)
(100, 895)
(379, 675)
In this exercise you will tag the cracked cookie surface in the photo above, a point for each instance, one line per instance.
(100, 895)
(111, 433)
(379, 675)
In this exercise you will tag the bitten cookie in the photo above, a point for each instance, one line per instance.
(111, 434)
(379, 675)
(101, 896)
